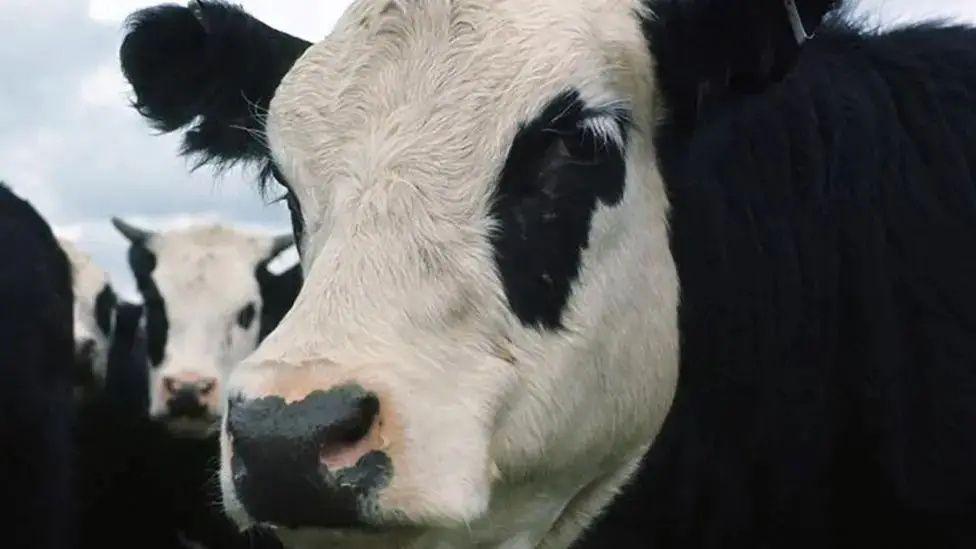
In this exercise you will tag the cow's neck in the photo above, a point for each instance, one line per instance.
(587, 504)
(537, 516)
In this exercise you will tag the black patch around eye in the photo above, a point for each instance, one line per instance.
(246, 316)
(105, 303)
(142, 261)
(555, 174)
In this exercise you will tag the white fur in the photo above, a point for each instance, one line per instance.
(88, 280)
(206, 276)
(392, 132)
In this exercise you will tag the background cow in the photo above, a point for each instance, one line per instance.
(94, 316)
(550, 244)
(138, 481)
(208, 296)
(36, 352)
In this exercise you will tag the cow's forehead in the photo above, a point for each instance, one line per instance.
(215, 262)
(440, 81)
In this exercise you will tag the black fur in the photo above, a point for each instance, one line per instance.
(211, 67)
(137, 483)
(278, 293)
(825, 237)
(127, 377)
(36, 358)
(105, 303)
(708, 50)
(143, 262)
(140, 483)
(544, 203)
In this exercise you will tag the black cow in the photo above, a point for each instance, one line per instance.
(825, 235)
(36, 358)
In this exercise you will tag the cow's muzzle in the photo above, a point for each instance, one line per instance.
(310, 463)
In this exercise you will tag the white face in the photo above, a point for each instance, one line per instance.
(522, 355)
(94, 311)
(203, 304)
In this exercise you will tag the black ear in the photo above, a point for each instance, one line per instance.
(278, 293)
(209, 66)
(707, 50)
(105, 304)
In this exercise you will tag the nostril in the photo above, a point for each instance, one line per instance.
(171, 385)
(206, 386)
(353, 437)
(358, 420)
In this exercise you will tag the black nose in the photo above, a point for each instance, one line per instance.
(186, 398)
(278, 470)
(186, 402)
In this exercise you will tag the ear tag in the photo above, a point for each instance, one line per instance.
(796, 22)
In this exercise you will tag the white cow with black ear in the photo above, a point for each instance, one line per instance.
(205, 291)
(487, 338)
(94, 317)
(520, 219)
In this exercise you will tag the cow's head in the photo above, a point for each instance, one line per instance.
(204, 290)
(94, 317)
(486, 341)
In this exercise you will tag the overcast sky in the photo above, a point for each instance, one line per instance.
(71, 145)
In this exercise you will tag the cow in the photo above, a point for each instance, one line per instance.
(36, 356)
(94, 314)
(205, 291)
(613, 273)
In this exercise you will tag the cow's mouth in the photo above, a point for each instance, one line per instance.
(371, 536)
(193, 427)
(84, 368)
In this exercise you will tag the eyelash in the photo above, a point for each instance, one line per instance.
(294, 207)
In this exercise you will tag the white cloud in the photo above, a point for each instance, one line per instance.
(27, 167)
(104, 87)
(114, 11)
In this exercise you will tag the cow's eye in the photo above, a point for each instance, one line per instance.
(294, 208)
(297, 225)
(246, 316)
